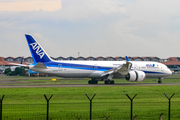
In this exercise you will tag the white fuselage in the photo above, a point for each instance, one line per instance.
(94, 69)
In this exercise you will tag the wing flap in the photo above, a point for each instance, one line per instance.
(123, 69)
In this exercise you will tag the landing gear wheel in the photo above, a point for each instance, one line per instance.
(112, 82)
(93, 82)
(106, 82)
(160, 81)
(90, 81)
(109, 82)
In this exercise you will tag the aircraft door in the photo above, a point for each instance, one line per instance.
(162, 68)
(95, 67)
(135, 66)
(60, 67)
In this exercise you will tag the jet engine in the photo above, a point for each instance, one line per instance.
(135, 76)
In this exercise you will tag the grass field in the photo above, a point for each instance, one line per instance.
(71, 102)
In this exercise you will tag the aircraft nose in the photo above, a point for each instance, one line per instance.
(169, 72)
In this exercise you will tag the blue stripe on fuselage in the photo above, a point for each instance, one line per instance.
(76, 66)
(87, 67)
(150, 72)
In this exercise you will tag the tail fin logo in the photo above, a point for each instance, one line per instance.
(38, 49)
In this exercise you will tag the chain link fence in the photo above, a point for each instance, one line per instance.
(29, 107)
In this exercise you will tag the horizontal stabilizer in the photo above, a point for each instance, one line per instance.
(17, 64)
(40, 66)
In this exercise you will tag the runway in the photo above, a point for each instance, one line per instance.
(87, 85)
(16, 83)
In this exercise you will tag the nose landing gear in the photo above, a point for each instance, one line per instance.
(159, 81)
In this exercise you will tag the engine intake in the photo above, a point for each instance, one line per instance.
(135, 76)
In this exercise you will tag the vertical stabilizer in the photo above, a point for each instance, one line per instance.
(127, 59)
(37, 52)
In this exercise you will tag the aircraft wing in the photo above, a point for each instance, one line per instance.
(39, 65)
(123, 69)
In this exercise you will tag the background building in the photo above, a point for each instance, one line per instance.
(172, 62)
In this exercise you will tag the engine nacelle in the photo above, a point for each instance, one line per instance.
(135, 76)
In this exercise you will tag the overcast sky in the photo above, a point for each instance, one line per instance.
(91, 27)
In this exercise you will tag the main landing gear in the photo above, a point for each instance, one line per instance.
(94, 81)
(109, 81)
(159, 81)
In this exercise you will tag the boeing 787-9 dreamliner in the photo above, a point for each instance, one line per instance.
(132, 71)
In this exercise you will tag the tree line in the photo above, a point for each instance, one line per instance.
(18, 71)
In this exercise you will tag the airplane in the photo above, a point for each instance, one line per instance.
(132, 71)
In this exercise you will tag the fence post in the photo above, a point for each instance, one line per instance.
(169, 104)
(135, 117)
(131, 116)
(47, 117)
(160, 116)
(1, 99)
(90, 99)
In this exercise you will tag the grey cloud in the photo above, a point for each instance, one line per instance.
(133, 28)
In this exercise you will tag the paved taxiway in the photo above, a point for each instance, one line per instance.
(9, 83)
(87, 85)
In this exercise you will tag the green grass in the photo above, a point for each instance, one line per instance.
(71, 102)
(66, 103)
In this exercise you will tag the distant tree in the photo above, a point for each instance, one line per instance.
(11, 73)
(7, 70)
(18, 71)
(23, 71)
